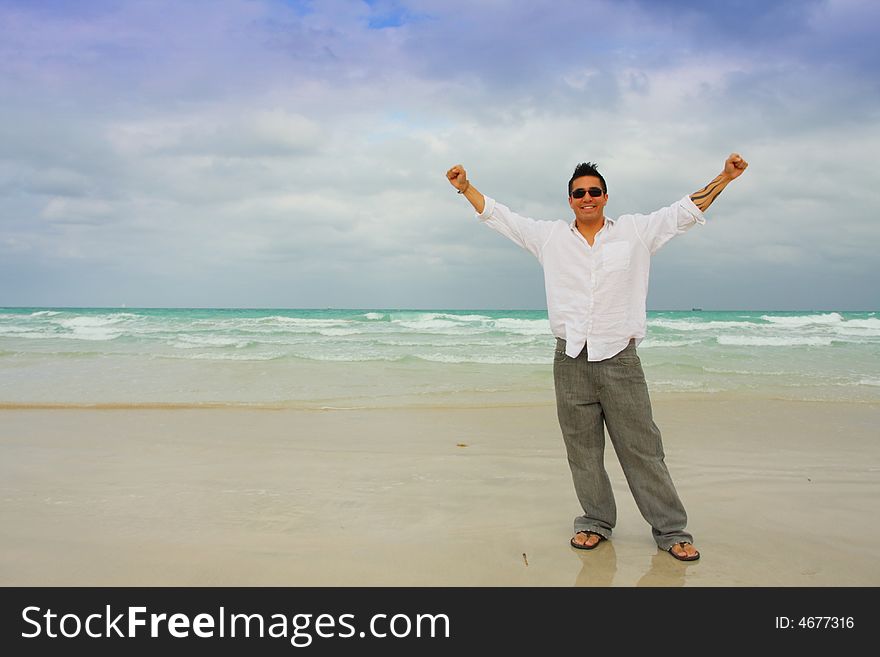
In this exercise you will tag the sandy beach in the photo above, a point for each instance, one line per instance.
(779, 493)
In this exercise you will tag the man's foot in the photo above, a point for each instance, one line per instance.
(684, 551)
(586, 540)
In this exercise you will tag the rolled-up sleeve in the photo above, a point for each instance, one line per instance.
(488, 209)
(689, 215)
(659, 227)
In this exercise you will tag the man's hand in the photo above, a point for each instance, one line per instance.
(458, 178)
(734, 166)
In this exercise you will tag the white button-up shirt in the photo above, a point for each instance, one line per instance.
(596, 295)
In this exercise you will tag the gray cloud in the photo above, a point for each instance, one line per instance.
(260, 153)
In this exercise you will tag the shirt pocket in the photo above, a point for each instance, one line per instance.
(615, 256)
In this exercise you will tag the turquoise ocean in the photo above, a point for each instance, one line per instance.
(332, 358)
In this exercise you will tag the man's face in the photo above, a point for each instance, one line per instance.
(588, 208)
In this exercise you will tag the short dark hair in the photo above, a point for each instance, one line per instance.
(587, 169)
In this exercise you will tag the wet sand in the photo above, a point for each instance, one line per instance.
(779, 493)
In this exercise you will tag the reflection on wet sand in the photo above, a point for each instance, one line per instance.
(599, 566)
(665, 571)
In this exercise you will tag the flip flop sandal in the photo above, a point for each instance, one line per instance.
(578, 546)
(681, 544)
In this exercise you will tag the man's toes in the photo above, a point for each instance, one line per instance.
(681, 550)
(684, 550)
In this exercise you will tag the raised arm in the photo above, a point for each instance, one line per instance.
(457, 177)
(733, 168)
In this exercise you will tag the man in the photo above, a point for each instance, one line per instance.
(596, 279)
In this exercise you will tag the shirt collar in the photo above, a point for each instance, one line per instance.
(573, 224)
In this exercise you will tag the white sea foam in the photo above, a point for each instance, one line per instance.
(523, 326)
(768, 341)
(433, 325)
(200, 341)
(45, 313)
(96, 328)
(870, 323)
(865, 327)
(464, 318)
(442, 323)
(857, 332)
(93, 335)
(804, 320)
(90, 321)
(375, 315)
(336, 332)
(304, 322)
(15, 332)
(419, 317)
(648, 343)
(690, 325)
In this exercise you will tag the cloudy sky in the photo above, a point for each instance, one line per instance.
(272, 153)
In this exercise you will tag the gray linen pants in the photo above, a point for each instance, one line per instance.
(612, 393)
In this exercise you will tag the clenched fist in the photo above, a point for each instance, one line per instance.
(734, 166)
(458, 177)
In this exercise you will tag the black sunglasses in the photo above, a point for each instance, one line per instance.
(580, 192)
